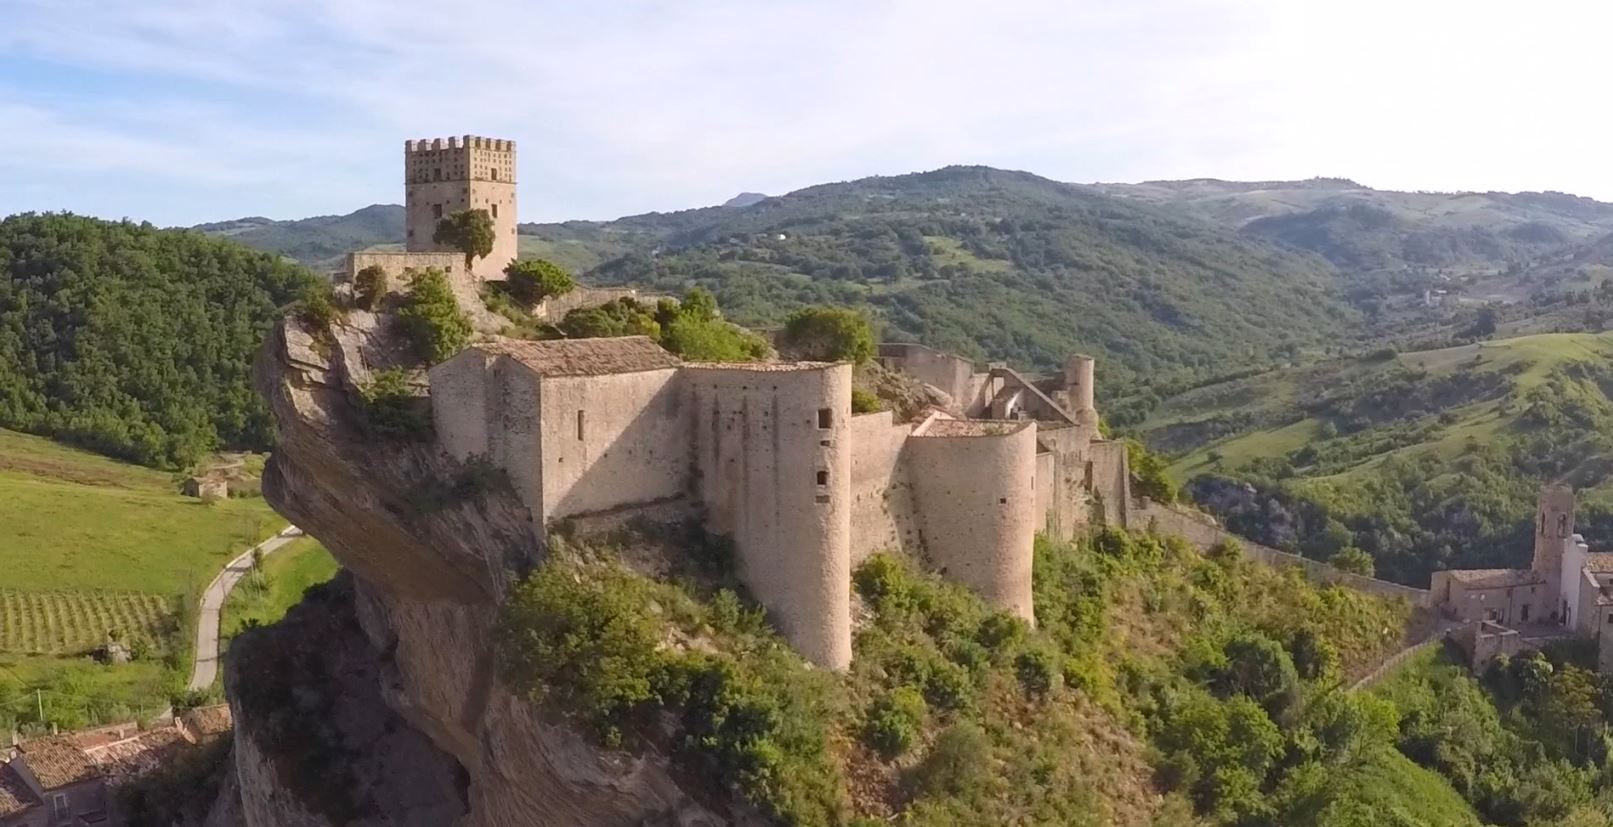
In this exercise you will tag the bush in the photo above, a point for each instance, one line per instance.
(828, 334)
(391, 410)
(317, 308)
(863, 401)
(893, 721)
(1353, 560)
(532, 280)
(369, 285)
(430, 317)
(1036, 669)
(959, 760)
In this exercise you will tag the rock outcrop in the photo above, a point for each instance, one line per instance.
(396, 666)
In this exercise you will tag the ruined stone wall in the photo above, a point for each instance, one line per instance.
(514, 439)
(614, 441)
(554, 309)
(976, 502)
(1109, 479)
(398, 265)
(780, 485)
(1047, 464)
(1068, 506)
(882, 516)
(953, 375)
(1202, 531)
(459, 390)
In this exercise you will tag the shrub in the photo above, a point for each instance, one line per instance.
(829, 334)
(317, 307)
(1353, 560)
(430, 317)
(532, 280)
(959, 760)
(882, 582)
(863, 401)
(1036, 669)
(893, 721)
(1000, 631)
(391, 410)
(712, 340)
(369, 285)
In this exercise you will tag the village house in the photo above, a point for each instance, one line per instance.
(51, 781)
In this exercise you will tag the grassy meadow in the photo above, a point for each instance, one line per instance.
(91, 546)
(265, 595)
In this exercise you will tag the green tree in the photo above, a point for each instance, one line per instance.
(369, 285)
(698, 304)
(828, 334)
(532, 280)
(430, 317)
(1148, 472)
(1353, 560)
(468, 231)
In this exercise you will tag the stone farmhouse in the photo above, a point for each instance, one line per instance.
(1566, 586)
(596, 431)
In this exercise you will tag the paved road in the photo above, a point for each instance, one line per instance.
(206, 668)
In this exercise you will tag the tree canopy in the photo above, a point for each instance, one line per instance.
(829, 334)
(134, 341)
(532, 280)
(468, 231)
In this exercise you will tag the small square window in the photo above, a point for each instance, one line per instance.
(823, 477)
(826, 418)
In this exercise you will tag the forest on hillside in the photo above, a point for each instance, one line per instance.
(133, 341)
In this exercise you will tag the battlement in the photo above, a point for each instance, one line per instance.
(456, 142)
(459, 158)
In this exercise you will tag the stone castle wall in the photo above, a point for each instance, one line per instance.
(1108, 479)
(773, 458)
(976, 497)
(554, 309)
(882, 511)
(1202, 531)
(612, 442)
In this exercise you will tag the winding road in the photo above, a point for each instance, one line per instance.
(205, 671)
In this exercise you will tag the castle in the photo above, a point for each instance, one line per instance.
(595, 432)
(1566, 586)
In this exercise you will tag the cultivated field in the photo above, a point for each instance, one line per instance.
(71, 623)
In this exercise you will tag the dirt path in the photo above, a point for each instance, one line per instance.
(207, 623)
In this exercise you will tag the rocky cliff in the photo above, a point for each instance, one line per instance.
(378, 701)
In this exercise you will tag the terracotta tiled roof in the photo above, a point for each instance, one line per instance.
(128, 759)
(14, 793)
(1496, 578)
(1600, 562)
(586, 357)
(57, 762)
(206, 721)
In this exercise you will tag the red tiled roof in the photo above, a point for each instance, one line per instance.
(15, 796)
(57, 762)
(586, 357)
(1496, 578)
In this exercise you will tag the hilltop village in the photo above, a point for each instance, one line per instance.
(597, 432)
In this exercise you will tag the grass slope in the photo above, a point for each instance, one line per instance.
(265, 596)
(87, 545)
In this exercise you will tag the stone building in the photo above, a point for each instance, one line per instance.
(595, 431)
(1566, 585)
(51, 781)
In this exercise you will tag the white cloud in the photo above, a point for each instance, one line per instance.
(655, 104)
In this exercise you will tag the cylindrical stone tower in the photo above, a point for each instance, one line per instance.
(975, 488)
(773, 470)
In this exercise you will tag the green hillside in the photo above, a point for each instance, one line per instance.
(1426, 460)
(134, 341)
(1008, 266)
(90, 546)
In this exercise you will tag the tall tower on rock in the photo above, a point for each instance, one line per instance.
(444, 176)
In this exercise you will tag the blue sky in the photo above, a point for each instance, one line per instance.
(183, 111)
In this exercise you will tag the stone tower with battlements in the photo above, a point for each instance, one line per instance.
(442, 176)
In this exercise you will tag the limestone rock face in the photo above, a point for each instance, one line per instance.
(388, 676)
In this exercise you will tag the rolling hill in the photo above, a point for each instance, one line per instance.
(1426, 460)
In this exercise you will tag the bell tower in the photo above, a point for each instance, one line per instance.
(442, 177)
(1554, 527)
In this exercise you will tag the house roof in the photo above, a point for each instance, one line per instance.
(586, 357)
(206, 721)
(1496, 578)
(970, 427)
(1600, 562)
(14, 793)
(57, 762)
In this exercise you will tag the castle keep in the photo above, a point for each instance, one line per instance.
(595, 431)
